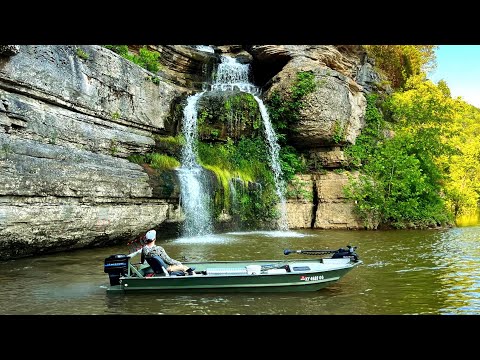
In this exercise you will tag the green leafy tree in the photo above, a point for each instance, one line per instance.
(402, 176)
(399, 62)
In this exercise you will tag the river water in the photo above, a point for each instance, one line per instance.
(404, 272)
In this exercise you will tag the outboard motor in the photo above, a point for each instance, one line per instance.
(349, 252)
(116, 266)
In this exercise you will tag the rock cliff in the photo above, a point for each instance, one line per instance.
(71, 115)
(67, 124)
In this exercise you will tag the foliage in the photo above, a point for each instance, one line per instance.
(255, 206)
(470, 219)
(338, 132)
(462, 187)
(426, 113)
(291, 162)
(237, 167)
(113, 147)
(300, 189)
(155, 160)
(137, 158)
(81, 54)
(121, 50)
(146, 58)
(372, 135)
(175, 141)
(398, 188)
(286, 111)
(170, 145)
(245, 159)
(153, 79)
(400, 184)
(429, 171)
(244, 106)
(163, 162)
(399, 62)
(232, 114)
(224, 177)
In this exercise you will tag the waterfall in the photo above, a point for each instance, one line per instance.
(204, 48)
(194, 198)
(230, 75)
(274, 151)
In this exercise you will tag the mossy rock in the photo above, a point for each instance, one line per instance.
(228, 114)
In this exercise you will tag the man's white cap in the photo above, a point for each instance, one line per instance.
(151, 234)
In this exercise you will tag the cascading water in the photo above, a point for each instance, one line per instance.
(230, 75)
(274, 150)
(205, 48)
(194, 198)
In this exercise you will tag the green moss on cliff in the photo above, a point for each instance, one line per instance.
(284, 110)
(147, 59)
(246, 189)
(231, 114)
(155, 160)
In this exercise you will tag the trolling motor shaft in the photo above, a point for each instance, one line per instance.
(340, 253)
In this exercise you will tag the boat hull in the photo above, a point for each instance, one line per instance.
(295, 281)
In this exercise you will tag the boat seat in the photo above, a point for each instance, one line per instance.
(159, 266)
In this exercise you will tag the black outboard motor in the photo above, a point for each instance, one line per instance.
(349, 252)
(116, 266)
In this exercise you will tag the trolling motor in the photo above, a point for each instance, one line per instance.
(348, 252)
(340, 253)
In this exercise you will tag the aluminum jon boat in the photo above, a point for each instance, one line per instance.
(232, 276)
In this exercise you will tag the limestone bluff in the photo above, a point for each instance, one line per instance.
(69, 122)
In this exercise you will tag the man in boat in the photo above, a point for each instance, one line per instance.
(150, 250)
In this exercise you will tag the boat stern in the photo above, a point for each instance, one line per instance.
(116, 266)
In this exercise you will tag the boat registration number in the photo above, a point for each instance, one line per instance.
(311, 278)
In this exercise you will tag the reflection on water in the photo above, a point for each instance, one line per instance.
(203, 239)
(404, 272)
(273, 233)
(461, 275)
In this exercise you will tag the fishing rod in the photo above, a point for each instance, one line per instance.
(136, 244)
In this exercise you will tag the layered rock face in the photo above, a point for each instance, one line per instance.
(331, 117)
(185, 66)
(67, 123)
(333, 114)
(71, 115)
(317, 201)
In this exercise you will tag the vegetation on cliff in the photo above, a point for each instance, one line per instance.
(399, 62)
(242, 169)
(284, 110)
(148, 59)
(232, 146)
(419, 154)
(166, 155)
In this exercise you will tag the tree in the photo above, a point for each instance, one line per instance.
(399, 62)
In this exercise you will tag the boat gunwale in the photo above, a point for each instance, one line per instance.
(331, 267)
(209, 276)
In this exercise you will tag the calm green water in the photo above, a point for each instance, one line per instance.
(404, 272)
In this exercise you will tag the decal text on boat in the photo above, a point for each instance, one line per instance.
(311, 278)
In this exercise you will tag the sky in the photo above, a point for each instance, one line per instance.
(459, 66)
